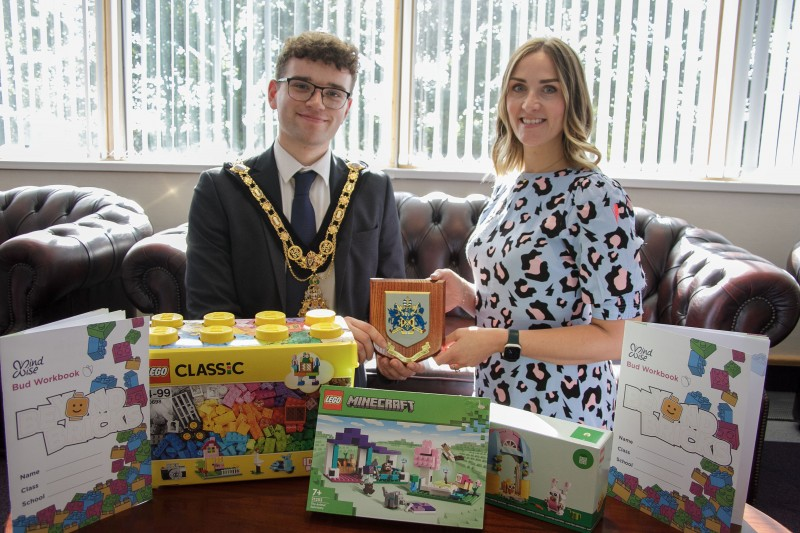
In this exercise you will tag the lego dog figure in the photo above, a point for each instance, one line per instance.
(558, 497)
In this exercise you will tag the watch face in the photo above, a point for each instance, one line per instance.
(512, 352)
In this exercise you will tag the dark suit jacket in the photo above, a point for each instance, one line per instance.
(235, 262)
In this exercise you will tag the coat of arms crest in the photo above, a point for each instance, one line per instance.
(410, 315)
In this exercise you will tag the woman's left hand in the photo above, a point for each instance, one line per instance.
(469, 347)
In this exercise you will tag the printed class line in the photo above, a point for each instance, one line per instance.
(72, 474)
(73, 487)
(78, 460)
(659, 457)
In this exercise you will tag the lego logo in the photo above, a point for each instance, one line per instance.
(159, 371)
(333, 400)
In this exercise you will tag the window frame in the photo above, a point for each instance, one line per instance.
(110, 17)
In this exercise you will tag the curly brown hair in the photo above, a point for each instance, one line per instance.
(319, 46)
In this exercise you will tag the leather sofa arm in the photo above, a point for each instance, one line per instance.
(718, 285)
(154, 270)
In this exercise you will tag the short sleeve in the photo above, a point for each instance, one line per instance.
(607, 248)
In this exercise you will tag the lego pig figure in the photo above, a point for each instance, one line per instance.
(558, 497)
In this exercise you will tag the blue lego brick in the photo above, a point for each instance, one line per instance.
(725, 412)
(103, 381)
(697, 365)
(96, 348)
(131, 379)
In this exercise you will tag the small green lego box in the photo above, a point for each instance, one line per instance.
(546, 468)
(403, 456)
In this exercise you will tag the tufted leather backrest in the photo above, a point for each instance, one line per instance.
(435, 230)
(27, 209)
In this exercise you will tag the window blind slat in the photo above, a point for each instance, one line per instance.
(758, 84)
(774, 97)
(688, 109)
(788, 137)
(452, 119)
(619, 124)
(606, 60)
(653, 111)
(633, 160)
(469, 109)
(671, 96)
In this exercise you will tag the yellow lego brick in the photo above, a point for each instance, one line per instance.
(225, 418)
(621, 491)
(730, 398)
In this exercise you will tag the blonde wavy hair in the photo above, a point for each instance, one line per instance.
(507, 153)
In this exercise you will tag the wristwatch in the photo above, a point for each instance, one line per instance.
(513, 350)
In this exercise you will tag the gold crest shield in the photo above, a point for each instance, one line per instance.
(409, 313)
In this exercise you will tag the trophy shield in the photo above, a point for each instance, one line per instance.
(410, 316)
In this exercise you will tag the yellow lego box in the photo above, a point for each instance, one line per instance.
(546, 468)
(239, 401)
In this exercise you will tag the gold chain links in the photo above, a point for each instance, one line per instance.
(292, 252)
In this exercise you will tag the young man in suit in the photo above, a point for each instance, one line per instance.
(250, 234)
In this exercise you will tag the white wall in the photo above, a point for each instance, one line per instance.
(765, 223)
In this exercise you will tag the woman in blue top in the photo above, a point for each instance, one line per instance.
(555, 256)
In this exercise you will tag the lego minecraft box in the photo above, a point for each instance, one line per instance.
(403, 456)
(546, 468)
(244, 408)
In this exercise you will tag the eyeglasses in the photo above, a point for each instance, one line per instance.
(302, 91)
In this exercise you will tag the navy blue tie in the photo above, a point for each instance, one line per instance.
(305, 227)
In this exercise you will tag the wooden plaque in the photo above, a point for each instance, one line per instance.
(409, 313)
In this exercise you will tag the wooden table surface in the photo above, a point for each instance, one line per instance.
(281, 505)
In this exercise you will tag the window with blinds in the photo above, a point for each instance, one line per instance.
(682, 88)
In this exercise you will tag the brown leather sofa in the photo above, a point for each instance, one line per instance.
(695, 277)
(61, 252)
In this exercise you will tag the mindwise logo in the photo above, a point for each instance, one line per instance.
(159, 371)
(333, 400)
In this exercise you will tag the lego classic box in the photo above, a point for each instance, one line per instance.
(236, 407)
(551, 469)
(403, 456)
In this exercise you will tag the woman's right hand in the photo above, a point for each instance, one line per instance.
(457, 290)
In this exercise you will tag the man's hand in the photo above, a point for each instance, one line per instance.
(366, 337)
